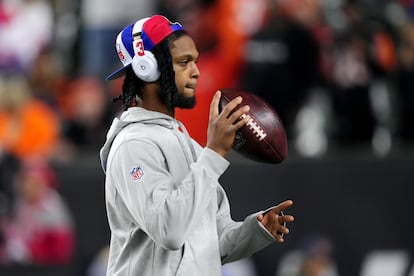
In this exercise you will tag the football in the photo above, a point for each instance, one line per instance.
(263, 138)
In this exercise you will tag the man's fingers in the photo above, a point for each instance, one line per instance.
(288, 218)
(214, 110)
(236, 117)
(242, 119)
(283, 206)
(238, 113)
(285, 218)
(230, 106)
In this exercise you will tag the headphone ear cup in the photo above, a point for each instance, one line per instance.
(146, 67)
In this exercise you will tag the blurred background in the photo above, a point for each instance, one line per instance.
(339, 73)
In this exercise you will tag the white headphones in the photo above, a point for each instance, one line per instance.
(144, 63)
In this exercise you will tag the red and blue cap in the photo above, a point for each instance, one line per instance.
(151, 30)
(156, 29)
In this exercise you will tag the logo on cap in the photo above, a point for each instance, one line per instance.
(120, 53)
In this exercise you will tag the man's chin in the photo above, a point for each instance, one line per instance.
(184, 102)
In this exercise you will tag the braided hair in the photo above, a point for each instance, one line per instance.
(131, 88)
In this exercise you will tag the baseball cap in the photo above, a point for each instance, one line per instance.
(152, 31)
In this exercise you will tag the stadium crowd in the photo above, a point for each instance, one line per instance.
(339, 73)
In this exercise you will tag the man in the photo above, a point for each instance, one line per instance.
(167, 212)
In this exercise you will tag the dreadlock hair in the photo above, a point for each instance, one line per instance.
(167, 78)
(131, 88)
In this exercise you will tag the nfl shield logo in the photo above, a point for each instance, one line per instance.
(136, 173)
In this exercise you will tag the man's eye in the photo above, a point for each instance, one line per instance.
(183, 62)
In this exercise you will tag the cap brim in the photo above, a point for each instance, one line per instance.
(118, 73)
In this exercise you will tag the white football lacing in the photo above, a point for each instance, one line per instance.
(254, 126)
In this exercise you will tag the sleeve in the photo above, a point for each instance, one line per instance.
(165, 210)
(239, 239)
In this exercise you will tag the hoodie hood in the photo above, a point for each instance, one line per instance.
(132, 115)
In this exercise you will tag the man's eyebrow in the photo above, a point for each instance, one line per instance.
(188, 56)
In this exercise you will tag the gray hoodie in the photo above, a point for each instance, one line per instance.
(167, 212)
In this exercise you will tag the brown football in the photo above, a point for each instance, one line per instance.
(263, 138)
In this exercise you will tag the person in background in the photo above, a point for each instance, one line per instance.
(314, 257)
(26, 28)
(100, 21)
(281, 59)
(40, 229)
(220, 29)
(28, 126)
(83, 110)
(405, 84)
